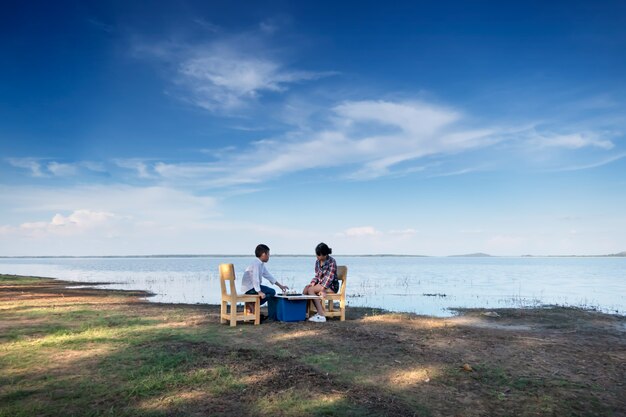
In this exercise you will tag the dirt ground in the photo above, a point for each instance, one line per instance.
(548, 361)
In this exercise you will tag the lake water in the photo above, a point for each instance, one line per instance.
(426, 285)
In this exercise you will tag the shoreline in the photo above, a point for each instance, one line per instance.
(458, 310)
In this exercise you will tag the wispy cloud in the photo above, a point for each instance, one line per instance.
(38, 167)
(457, 172)
(371, 231)
(142, 167)
(403, 232)
(187, 170)
(596, 164)
(31, 164)
(365, 140)
(229, 72)
(77, 222)
(61, 170)
(221, 77)
(101, 25)
(362, 231)
(571, 141)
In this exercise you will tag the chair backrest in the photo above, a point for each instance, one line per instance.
(227, 273)
(342, 275)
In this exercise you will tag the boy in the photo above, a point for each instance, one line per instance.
(252, 277)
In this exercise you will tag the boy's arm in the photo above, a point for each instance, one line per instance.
(270, 278)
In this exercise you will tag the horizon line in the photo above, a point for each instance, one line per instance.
(471, 255)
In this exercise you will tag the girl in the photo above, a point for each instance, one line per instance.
(325, 279)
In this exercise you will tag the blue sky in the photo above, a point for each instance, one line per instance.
(412, 128)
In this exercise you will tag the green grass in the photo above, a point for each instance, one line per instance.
(19, 280)
(142, 360)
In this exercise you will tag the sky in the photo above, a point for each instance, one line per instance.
(415, 128)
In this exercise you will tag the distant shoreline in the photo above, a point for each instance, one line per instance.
(478, 255)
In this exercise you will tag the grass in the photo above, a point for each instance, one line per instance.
(79, 352)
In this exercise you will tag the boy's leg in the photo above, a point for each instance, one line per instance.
(271, 301)
(269, 292)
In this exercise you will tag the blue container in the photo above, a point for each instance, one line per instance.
(290, 310)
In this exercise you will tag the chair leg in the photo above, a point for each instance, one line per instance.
(223, 312)
(257, 312)
(233, 314)
(342, 306)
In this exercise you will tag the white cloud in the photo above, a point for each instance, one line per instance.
(366, 140)
(573, 141)
(455, 173)
(361, 231)
(596, 164)
(416, 118)
(82, 218)
(186, 170)
(231, 71)
(39, 168)
(471, 231)
(31, 164)
(139, 165)
(61, 170)
(93, 166)
(106, 219)
(78, 222)
(370, 231)
(133, 220)
(160, 204)
(403, 232)
(222, 77)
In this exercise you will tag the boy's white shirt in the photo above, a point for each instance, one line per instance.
(254, 274)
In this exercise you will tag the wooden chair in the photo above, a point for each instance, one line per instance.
(328, 302)
(227, 273)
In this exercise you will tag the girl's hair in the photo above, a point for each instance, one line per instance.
(323, 249)
(260, 250)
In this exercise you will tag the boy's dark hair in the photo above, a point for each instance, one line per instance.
(261, 249)
(323, 249)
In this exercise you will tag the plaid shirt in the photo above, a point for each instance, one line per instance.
(326, 273)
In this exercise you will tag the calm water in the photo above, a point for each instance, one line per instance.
(420, 285)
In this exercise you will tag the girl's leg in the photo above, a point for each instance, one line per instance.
(314, 290)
